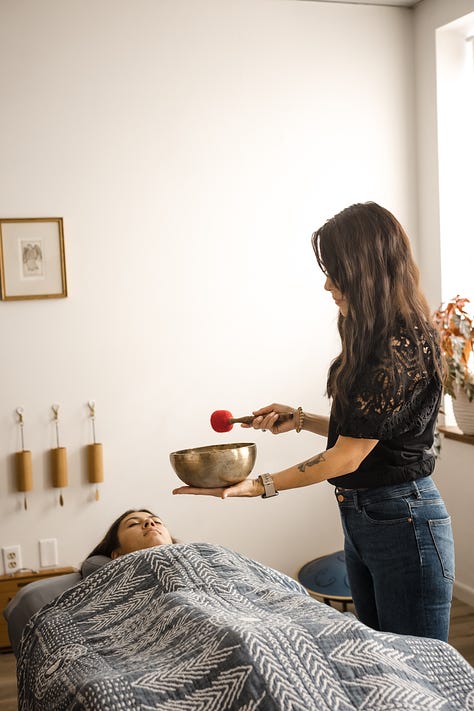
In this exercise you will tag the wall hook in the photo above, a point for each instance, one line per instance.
(19, 412)
(55, 409)
(91, 405)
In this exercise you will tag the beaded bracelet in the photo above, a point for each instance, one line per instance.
(299, 425)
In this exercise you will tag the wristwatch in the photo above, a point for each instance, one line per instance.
(267, 482)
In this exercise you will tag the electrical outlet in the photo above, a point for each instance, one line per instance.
(11, 558)
(48, 552)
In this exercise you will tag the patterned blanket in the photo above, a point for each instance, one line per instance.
(198, 627)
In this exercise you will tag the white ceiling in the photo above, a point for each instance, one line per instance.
(392, 3)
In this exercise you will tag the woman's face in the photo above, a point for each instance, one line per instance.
(138, 530)
(338, 297)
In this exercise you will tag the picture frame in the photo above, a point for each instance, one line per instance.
(32, 258)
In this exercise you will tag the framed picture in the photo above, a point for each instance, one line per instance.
(32, 261)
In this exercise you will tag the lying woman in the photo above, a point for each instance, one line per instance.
(197, 626)
(133, 530)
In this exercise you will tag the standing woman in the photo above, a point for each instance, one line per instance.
(385, 387)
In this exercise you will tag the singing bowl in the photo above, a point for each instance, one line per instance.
(215, 465)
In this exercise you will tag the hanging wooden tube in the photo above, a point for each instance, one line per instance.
(95, 465)
(24, 471)
(95, 457)
(59, 475)
(58, 460)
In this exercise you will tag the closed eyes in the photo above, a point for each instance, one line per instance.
(138, 522)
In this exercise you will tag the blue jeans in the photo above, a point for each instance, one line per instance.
(400, 557)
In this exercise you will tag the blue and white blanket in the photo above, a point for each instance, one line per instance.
(198, 627)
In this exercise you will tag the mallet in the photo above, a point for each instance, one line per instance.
(223, 421)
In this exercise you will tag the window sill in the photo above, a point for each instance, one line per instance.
(455, 433)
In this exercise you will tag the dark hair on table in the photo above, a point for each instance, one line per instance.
(110, 541)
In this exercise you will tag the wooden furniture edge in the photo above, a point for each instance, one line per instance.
(456, 434)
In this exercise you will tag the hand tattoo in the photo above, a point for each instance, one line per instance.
(311, 462)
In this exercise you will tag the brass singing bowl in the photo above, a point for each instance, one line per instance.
(215, 465)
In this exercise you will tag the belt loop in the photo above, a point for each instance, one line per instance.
(357, 502)
(416, 490)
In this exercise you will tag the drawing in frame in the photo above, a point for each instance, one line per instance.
(32, 260)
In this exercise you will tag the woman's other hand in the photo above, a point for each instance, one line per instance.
(266, 418)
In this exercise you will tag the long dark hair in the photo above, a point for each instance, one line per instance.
(110, 541)
(367, 255)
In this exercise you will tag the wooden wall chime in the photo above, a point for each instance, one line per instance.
(95, 460)
(23, 463)
(58, 460)
(23, 468)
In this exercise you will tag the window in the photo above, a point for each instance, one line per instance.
(455, 98)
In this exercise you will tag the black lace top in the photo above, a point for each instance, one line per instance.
(400, 411)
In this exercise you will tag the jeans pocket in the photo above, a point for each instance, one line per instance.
(442, 535)
(387, 511)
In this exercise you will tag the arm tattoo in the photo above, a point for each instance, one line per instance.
(311, 462)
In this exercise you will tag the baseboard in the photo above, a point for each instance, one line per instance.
(464, 593)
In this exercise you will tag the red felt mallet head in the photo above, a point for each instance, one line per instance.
(221, 421)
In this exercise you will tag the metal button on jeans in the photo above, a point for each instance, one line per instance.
(340, 497)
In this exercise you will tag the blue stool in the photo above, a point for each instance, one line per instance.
(326, 578)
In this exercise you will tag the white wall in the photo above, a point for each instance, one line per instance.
(455, 468)
(191, 148)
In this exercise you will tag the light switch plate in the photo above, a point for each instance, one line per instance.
(48, 552)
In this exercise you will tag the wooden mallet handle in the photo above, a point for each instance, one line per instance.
(248, 419)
